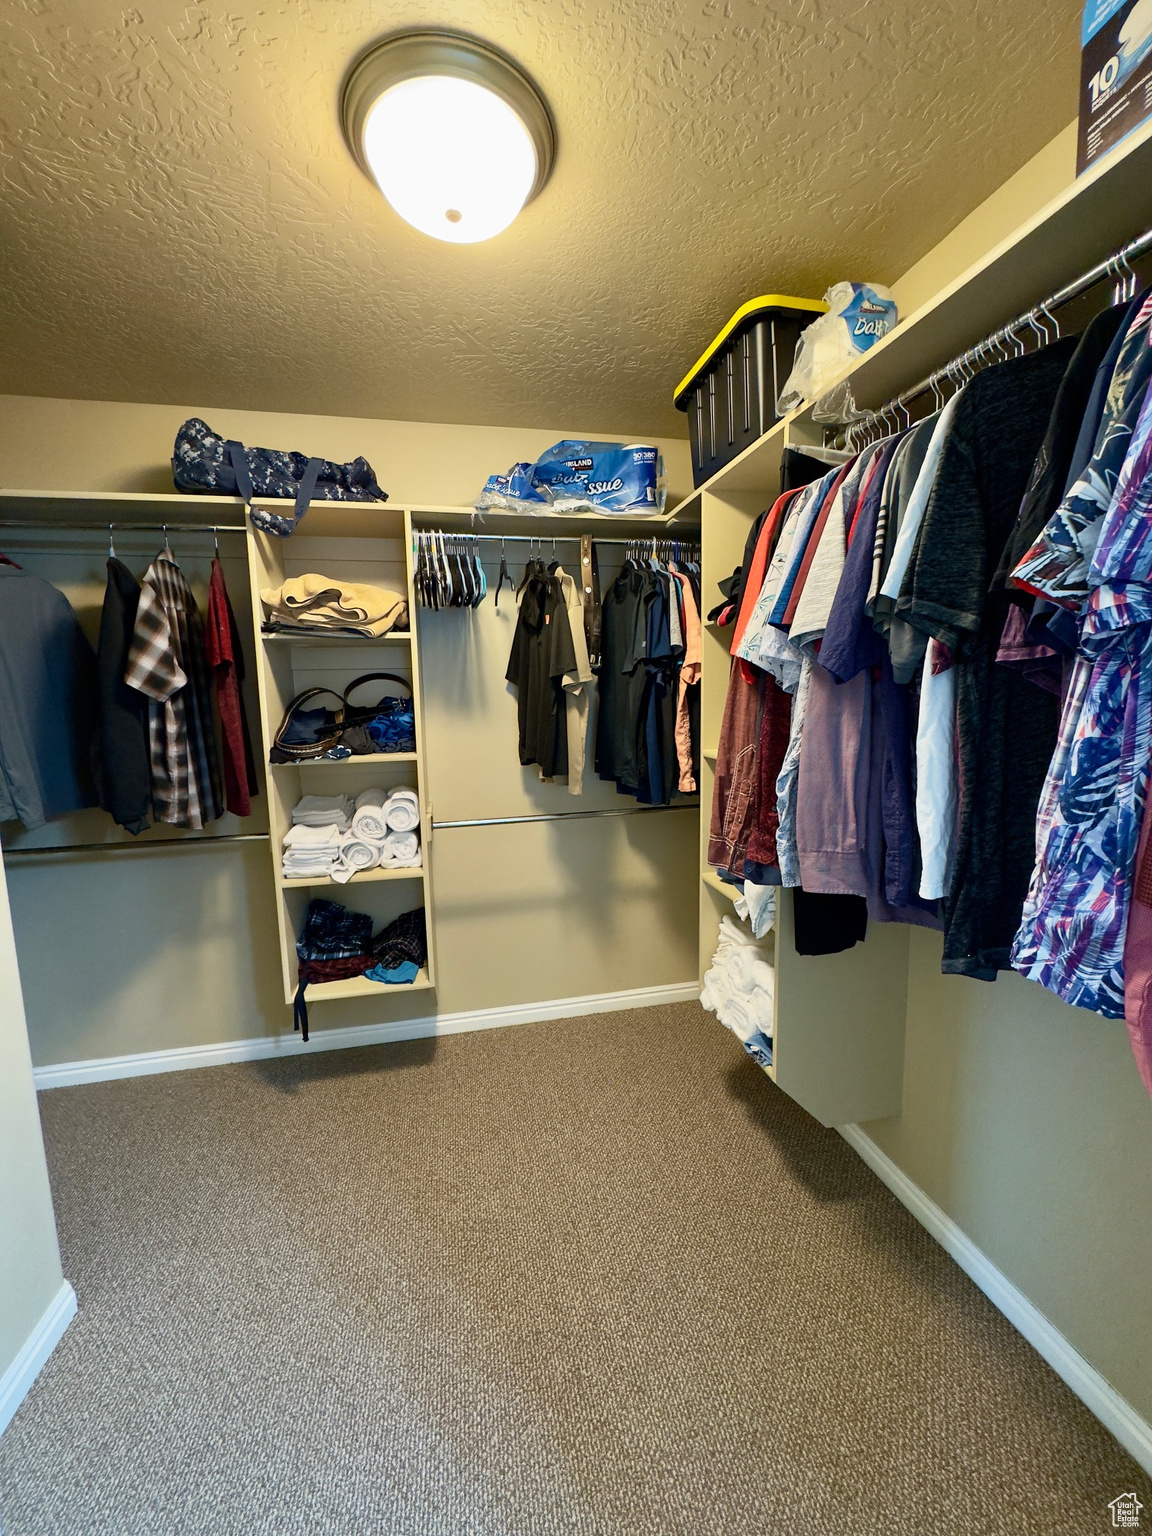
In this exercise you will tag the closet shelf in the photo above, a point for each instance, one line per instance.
(545, 526)
(394, 637)
(711, 879)
(365, 877)
(710, 753)
(364, 760)
(360, 986)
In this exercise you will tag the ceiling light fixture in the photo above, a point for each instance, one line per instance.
(454, 134)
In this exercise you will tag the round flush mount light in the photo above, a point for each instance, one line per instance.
(456, 137)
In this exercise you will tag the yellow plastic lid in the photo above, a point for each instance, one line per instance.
(745, 312)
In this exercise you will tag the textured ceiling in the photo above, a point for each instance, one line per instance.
(182, 221)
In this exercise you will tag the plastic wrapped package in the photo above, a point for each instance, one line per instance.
(858, 315)
(618, 479)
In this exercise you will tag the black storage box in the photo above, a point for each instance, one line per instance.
(730, 394)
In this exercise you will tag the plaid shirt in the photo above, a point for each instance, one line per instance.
(166, 663)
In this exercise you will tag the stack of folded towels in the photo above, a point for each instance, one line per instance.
(334, 837)
(312, 845)
(738, 989)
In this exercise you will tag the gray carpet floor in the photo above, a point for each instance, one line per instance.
(595, 1277)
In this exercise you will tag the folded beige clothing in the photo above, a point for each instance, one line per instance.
(322, 602)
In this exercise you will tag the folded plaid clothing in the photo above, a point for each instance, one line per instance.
(333, 945)
(338, 970)
(404, 940)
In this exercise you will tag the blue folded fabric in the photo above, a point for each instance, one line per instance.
(400, 975)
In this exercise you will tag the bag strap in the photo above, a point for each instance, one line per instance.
(300, 1006)
(372, 677)
(307, 487)
(300, 699)
(263, 517)
(238, 459)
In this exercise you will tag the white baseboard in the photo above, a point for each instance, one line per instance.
(1098, 1396)
(18, 1378)
(103, 1069)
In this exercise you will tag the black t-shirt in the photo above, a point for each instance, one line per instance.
(125, 764)
(623, 678)
(542, 652)
(1006, 726)
(1050, 469)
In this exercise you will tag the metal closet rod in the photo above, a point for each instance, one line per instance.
(508, 821)
(558, 538)
(1115, 266)
(55, 850)
(40, 524)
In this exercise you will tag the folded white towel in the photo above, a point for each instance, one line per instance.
(307, 869)
(312, 837)
(748, 970)
(355, 855)
(401, 846)
(402, 810)
(324, 811)
(368, 819)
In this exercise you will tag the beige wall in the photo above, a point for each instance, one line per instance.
(1024, 1119)
(168, 951)
(30, 1273)
(1037, 182)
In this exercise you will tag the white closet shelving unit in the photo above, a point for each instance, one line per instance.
(353, 542)
(839, 1019)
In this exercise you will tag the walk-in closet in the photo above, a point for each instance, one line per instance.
(575, 749)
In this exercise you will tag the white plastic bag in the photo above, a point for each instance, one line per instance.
(858, 315)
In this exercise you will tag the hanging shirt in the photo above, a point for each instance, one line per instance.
(1056, 566)
(764, 645)
(659, 767)
(1137, 959)
(808, 531)
(541, 654)
(166, 663)
(925, 480)
(578, 684)
(810, 603)
(125, 762)
(1072, 932)
(622, 679)
(48, 703)
(900, 487)
(1070, 410)
(689, 677)
(936, 804)
(786, 783)
(226, 658)
(1006, 728)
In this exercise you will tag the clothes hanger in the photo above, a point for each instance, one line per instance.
(111, 545)
(503, 576)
